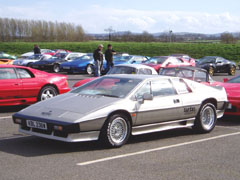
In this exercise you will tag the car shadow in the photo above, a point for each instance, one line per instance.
(9, 109)
(227, 120)
(31, 146)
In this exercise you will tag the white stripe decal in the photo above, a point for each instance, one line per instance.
(155, 149)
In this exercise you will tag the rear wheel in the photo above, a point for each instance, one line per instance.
(116, 131)
(47, 92)
(56, 68)
(206, 118)
(89, 69)
(211, 71)
(232, 71)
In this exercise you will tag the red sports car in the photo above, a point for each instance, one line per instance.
(158, 62)
(232, 87)
(55, 51)
(22, 85)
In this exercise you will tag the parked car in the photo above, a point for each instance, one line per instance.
(23, 85)
(31, 59)
(131, 59)
(123, 69)
(188, 72)
(6, 56)
(113, 107)
(26, 55)
(158, 62)
(6, 61)
(186, 57)
(216, 64)
(53, 63)
(232, 87)
(83, 64)
(55, 51)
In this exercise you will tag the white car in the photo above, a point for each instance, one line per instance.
(28, 54)
(113, 107)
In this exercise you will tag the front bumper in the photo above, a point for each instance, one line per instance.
(233, 108)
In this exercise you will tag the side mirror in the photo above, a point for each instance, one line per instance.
(225, 79)
(168, 64)
(147, 96)
(68, 58)
(133, 61)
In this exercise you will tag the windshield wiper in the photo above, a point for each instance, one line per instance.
(108, 95)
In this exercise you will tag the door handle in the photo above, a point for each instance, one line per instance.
(176, 101)
(16, 84)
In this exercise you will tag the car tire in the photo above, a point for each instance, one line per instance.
(47, 92)
(116, 131)
(206, 119)
(89, 69)
(29, 65)
(211, 71)
(232, 71)
(56, 68)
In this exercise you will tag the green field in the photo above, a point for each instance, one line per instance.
(196, 50)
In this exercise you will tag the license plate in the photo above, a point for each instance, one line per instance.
(229, 106)
(36, 124)
(66, 67)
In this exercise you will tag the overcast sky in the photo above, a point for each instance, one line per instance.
(201, 16)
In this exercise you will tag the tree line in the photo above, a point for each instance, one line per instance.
(39, 30)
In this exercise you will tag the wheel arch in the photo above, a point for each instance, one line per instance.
(121, 112)
(210, 100)
(48, 84)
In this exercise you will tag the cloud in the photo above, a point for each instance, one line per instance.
(96, 18)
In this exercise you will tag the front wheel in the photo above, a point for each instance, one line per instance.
(56, 68)
(232, 71)
(89, 69)
(206, 118)
(47, 92)
(116, 131)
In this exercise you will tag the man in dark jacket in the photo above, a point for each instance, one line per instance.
(36, 49)
(109, 57)
(98, 60)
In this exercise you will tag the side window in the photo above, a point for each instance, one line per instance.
(181, 86)
(163, 87)
(145, 71)
(7, 73)
(200, 76)
(146, 88)
(185, 74)
(23, 73)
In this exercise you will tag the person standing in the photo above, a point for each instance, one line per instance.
(36, 49)
(98, 60)
(109, 57)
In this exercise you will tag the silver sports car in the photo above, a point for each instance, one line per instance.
(113, 107)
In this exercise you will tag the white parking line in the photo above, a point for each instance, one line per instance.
(227, 127)
(6, 117)
(155, 149)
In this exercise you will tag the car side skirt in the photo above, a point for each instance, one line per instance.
(150, 128)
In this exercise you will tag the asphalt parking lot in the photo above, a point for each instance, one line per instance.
(175, 154)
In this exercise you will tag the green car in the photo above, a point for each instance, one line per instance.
(7, 56)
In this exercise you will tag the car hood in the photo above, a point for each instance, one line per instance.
(76, 62)
(69, 107)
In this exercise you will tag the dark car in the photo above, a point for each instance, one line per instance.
(189, 72)
(216, 64)
(54, 62)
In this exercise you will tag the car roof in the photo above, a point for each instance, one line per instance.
(139, 76)
(135, 66)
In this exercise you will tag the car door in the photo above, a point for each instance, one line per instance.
(220, 66)
(10, 85)
(190, 102)
(164, 106)
(30, 84)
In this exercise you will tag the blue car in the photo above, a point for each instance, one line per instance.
(83, 64)
(131, 59)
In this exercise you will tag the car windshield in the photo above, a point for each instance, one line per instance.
(156, 60)
(122, 70)
(108, 86)
(59, 56)
(123, 58)
(37, 56)
(84, 57)
(207, 59)
(234, 80)
(184, 73)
